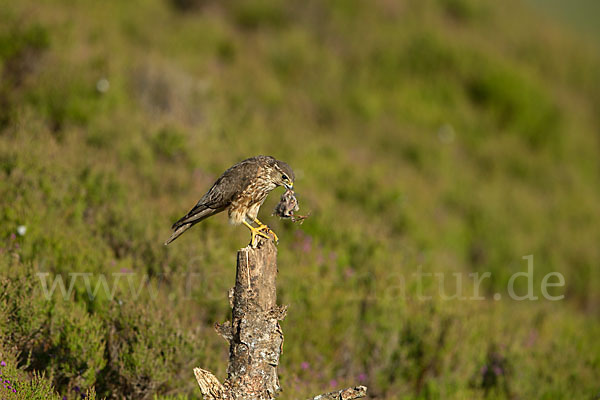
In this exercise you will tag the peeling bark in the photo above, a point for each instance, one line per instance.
(210, 386)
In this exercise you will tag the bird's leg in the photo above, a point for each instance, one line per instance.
(264, 227)
(255, 232)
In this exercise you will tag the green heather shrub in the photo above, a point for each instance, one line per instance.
(463, 10)
(259, 14)
(142, 351)
(17, 384)
(515, 103)
(169, 143)
(76, 352)
(21, 47)
(449, 137)
(16, 40)
(25, 316)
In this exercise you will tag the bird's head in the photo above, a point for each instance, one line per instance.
(282, 174)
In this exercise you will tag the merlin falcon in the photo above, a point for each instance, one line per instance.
(241, 190)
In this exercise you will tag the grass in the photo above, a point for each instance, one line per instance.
(438, 136)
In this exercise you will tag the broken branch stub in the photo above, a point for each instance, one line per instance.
(346, 394)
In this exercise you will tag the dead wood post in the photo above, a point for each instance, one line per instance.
(254, 335)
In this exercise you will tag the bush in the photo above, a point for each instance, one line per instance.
(76, 352)
(142, 351)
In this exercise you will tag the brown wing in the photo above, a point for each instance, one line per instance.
(220, 195)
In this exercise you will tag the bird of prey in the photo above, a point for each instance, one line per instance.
(241, 190)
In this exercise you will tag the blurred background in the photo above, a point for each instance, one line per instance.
(445, 136)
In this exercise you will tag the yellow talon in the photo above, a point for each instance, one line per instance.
(269, 230)
(263, 227)
(257, 232)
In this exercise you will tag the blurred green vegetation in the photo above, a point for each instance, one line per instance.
(581, 15)
(444, 136)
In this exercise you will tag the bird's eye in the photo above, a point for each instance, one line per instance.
(285, 177)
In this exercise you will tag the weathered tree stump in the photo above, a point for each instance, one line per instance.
(254, 335)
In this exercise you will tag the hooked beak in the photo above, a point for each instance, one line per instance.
(288, 186)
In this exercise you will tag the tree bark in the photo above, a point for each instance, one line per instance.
(257, 338)
(254, 335)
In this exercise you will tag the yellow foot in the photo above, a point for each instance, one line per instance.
(265, 228)
(260, 231)
(269, 230)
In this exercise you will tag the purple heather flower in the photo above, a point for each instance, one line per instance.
(333, 383)
(306, 244)
(77, 389)
(6, 381)
(497, 370)
(305, 365)
(2, 364)
(362, 377)
(14, 390)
